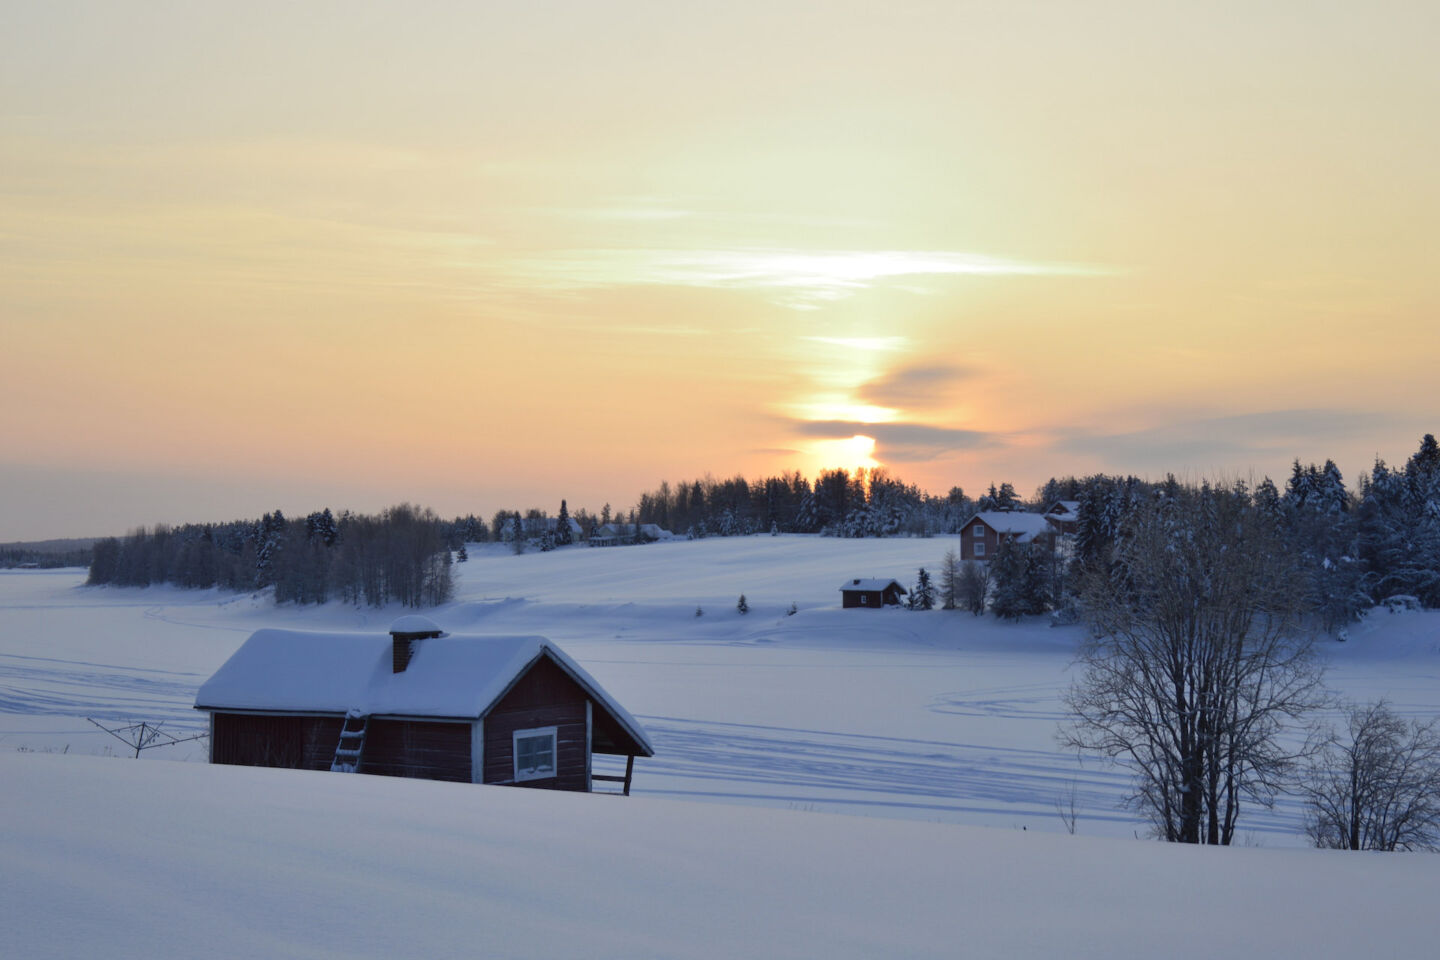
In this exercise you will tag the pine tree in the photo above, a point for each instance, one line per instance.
(563, 536)
(742, 606)
(1021, 586)
(923, 596)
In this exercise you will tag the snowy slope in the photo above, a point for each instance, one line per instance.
(119, 859)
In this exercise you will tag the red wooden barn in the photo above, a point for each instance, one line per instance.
(417, 703)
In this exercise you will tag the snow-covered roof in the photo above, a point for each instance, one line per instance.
(872, 583)
(449, 676)
(415, 623)
(1066, 508)
(1023, 526)
(628, 530)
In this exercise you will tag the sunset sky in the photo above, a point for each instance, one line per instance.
(484, 255)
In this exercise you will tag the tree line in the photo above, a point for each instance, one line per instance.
(862, 503)
(1199, 671)
(399, 556)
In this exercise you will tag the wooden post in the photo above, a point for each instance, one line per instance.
(629, 769)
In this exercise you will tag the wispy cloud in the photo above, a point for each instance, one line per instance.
(868, 344)
(1261, 437)
(796, 278)
(907, 442)
(917, 387)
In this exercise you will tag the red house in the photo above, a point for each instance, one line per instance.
(417, 703)
(981, 535)
(872, 593)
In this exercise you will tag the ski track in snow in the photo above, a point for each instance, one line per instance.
(45, 686)
(1030, 701)
(821, 766)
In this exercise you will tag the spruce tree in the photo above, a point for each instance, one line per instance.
(923, 596)
(742, 606)
(563, 536)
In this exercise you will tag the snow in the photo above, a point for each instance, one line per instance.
(414, 623)
(931, 724)
(870, 584)
(935, 716)
(449, 676)
(1025, 526)
(122, 859)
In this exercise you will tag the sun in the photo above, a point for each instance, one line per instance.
(850, 454)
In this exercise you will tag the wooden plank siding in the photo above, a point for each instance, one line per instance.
(421, 749)
(545, 696)
(300, 743)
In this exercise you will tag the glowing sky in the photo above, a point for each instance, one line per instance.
(481, 255)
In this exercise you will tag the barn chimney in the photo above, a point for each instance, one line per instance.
(405, 636)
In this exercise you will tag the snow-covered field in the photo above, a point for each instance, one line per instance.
(934, 717)
(126, 860)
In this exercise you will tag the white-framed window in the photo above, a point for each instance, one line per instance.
(978, 530)
(535, 753)
(979, 548)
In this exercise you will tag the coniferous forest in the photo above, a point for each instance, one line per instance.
(1353, 547)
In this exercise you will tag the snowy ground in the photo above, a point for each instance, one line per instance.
(933, 716)
(937, 718)
(122, 860)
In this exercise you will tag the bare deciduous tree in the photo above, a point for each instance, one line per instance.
(1196, 665)
(974, 586)
(1379, 788)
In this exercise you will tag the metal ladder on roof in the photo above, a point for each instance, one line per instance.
(352, 743)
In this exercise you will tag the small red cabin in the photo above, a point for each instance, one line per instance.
(417, 703)
(871, 593)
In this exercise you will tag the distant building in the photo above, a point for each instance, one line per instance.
(612, 534)
(535, 528)
(982, 534)
(871, 593)
(1064, 516)
(417, 703)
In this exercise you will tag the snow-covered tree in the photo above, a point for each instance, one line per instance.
(950, 581)
(563, 536)
(1196, 667)
(1020, 588)
(923, 596)
(974, 587)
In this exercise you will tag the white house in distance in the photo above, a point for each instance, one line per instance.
(611, 534)
(981, 535)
